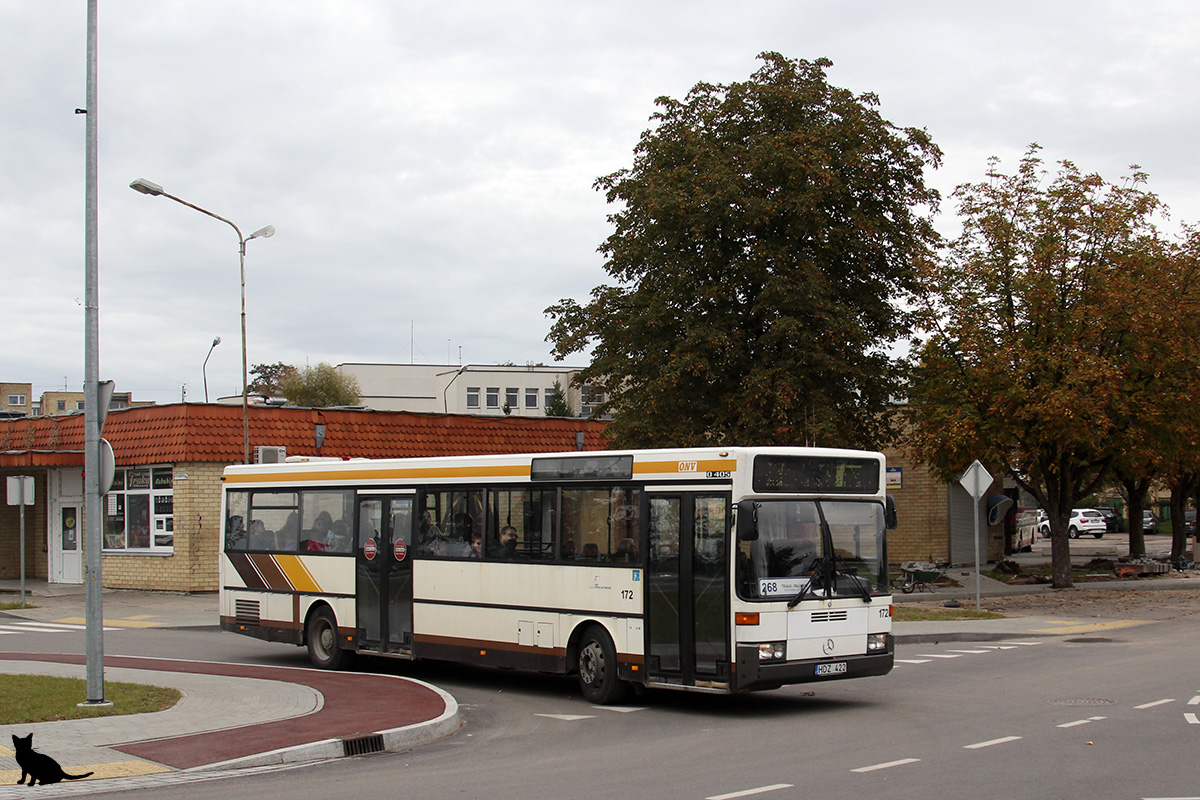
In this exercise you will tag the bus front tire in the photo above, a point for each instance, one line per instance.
(322, 637)
(597, 664)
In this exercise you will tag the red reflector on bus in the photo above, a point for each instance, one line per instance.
(746, 618)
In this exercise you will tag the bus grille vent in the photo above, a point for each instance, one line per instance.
(830, 616)
(246, 611)
(363, 745)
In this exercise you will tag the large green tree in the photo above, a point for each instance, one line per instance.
(1036, 338)
(319, 386)
(762, 240)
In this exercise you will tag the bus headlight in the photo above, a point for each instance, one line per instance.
(772, 651)
(876, 642)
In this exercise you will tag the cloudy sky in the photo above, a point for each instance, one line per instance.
(429, 165)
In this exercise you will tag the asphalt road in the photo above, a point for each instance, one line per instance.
(1104, 715)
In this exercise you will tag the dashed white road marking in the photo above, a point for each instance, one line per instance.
(1195, 701)
(1155, 703)
(566, 717)
(748, 792)
(912, 660)
(1191, 718)
(620, 709)
(966, 651)
(1002, 740)
(1022, 644)
(887, 765)
(939, 655)
(1080, 722)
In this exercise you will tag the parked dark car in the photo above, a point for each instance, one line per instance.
(1110, 518)
(1189, 521)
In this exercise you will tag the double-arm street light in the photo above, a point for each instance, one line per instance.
(146, 187)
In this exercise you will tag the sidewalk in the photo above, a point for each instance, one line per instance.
(231, 715)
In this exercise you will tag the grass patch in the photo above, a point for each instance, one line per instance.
(14, 606)
(40, 698)
(904, 613)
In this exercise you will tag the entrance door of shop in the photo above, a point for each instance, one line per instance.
(64, 534)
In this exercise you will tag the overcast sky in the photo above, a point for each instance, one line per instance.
(429, 165)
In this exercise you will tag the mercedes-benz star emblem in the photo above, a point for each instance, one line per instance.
(828, 646)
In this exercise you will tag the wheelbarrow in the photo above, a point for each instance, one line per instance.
(918, 575)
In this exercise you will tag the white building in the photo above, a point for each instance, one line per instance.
(468, 389)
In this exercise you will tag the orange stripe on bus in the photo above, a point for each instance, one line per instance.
(297, 573)
(684, 467)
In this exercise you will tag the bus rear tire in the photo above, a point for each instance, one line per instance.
(596, 660)
(321, 634)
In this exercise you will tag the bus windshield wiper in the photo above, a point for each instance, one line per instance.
(818, 569)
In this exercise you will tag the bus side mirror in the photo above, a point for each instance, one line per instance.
(889, 513)
(747, 521)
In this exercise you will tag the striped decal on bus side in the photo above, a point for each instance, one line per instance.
(281, 573)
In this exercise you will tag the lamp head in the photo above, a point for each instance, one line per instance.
(146, 187)
(216, 341)
(265, 232)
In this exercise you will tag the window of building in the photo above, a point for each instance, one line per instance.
(493, 397)
(139, 511)
(472, 397)
(62, 405)
(531, 398)
(511, 397)
(589, 398)
(16, 399)
(79, 406)
(116, 404)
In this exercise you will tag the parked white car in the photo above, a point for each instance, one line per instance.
(1083, 521)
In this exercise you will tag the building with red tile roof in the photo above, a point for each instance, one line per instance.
(162, 515)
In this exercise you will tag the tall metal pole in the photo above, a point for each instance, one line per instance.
(245, 372)
(92, 508)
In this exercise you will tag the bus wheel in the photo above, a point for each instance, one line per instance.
(597, 662)
(322, 636)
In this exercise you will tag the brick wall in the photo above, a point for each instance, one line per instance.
(923, 512)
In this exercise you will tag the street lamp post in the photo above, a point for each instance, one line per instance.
(204, 369)
(153, 189)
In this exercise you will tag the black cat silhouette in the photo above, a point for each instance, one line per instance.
(38, 766)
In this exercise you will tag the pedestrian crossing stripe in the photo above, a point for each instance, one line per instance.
(43, 627)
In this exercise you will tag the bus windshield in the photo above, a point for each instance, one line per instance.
(814, 548)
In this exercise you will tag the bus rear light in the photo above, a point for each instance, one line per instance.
(746, 618)
(891, 611)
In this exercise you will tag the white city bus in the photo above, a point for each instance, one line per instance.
(719, 570)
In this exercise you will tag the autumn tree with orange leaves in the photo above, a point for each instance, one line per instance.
(1057, 346)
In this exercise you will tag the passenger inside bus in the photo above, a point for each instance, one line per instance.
(507, 546)
(260, 537)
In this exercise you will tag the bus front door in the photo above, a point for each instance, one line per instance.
(687, 588)
(383, 566)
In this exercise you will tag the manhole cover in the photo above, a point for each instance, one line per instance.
(1082, 701)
